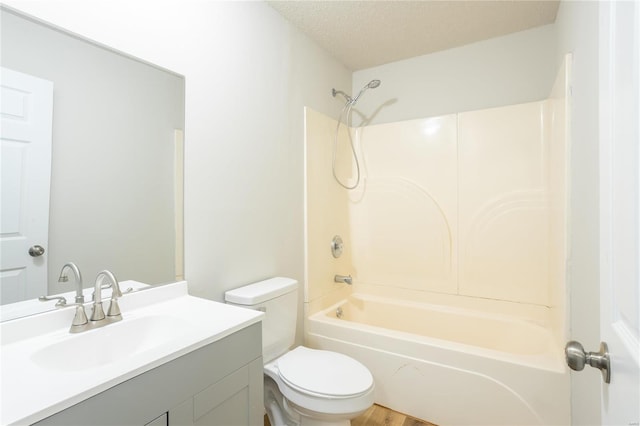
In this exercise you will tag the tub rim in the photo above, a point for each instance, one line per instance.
(550, 360)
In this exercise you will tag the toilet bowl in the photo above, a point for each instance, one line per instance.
(302, 386)
(321, 385)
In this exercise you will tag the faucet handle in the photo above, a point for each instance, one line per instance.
(61, 301)
(114, 309)
(80, 317)
(97, 314)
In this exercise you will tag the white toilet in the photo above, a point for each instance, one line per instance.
(302, 386)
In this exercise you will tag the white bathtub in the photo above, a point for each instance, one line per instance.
(448, 365)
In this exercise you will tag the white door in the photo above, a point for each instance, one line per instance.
(620, 212)
(25, 142)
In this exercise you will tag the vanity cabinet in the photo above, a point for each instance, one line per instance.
(218, 384)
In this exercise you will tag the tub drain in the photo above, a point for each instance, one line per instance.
(339, 312)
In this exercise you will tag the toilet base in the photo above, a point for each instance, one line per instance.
(282, 412)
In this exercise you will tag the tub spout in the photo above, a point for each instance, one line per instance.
(343, 279)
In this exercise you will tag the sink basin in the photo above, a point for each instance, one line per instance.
(105, 345)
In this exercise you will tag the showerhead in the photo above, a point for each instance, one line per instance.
(370, 85)
(373, 84)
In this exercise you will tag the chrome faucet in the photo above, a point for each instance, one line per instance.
(343, 279)
(63, 278)
(113, 312)
(98, 318)
(77, 276)
(80, 317)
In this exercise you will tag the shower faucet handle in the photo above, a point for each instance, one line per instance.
(337, 246)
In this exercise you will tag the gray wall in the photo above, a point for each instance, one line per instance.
(112, 193)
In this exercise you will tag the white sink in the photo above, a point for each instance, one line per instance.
(46, 369)
(102, 346)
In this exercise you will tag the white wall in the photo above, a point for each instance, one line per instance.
(476, 76)
(248, 75)
(577, 32)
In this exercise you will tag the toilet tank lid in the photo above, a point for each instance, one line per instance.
(261, 291)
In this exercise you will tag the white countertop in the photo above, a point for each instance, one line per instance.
(31, 390)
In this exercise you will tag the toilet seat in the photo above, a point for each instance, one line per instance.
(324, 373)
(299, 373)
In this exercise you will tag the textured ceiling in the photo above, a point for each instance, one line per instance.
(363, 34)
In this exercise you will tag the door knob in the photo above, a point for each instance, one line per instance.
(577, 358)
(35, 251)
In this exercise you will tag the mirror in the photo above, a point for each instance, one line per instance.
(115, 198)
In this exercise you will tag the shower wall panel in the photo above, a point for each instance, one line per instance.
(404, 216)
(557, 112)
(470, 204)
(503, 204)
(326, 204)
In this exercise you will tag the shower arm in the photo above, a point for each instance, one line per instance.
(335, 92)
(352, 101)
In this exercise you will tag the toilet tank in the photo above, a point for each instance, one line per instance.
(278, 299)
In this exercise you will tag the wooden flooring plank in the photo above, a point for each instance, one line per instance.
(410, 421)
(382, 416)
(362, 420)
(378, 415)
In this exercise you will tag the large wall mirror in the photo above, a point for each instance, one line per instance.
(115, 188)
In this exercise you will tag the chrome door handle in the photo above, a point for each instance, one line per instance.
(35, 251)
(577, 358)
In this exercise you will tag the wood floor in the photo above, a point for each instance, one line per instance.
(378, 415)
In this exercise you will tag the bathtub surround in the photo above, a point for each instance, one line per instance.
(465, 211)
(470, 204)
